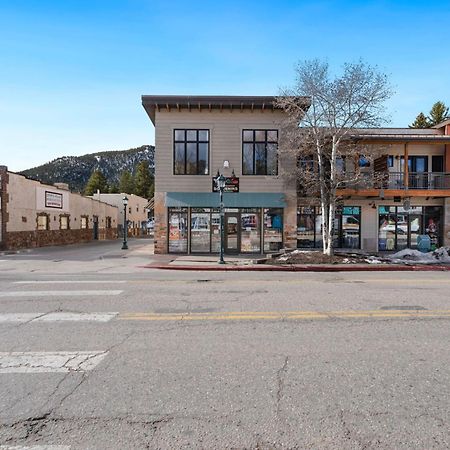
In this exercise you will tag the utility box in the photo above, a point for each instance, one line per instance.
(423, 243)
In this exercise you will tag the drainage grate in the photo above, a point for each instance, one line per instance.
(404, 308)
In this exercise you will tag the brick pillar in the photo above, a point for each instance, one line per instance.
(446, 233)
(4, 206)
(290, 222)
(160, 231)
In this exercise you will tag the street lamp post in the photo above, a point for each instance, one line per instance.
(220, 181)
(125, 223)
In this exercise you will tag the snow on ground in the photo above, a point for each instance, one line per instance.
(440, 255)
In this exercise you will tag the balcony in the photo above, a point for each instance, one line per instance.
(387, 184)
(416, 180)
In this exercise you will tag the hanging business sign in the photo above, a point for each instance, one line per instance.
(231, 184)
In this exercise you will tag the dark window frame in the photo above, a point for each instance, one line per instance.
(186, 141)
(254, 141)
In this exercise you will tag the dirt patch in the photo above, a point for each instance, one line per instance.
(317, 257)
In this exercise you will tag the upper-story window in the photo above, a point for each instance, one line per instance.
(191, 152)
(259, 152)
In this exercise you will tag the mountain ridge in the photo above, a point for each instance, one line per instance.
(76, 170)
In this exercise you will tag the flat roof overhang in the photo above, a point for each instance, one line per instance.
(405, 139)
(153, 103)
(390, 193)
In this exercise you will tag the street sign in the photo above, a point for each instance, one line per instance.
(231, 184)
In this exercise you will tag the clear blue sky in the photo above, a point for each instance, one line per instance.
(72, 71)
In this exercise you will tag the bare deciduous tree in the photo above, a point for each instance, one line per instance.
(320, 134)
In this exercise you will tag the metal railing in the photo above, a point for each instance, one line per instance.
(397, 180)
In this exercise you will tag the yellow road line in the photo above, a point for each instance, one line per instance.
(285, 315)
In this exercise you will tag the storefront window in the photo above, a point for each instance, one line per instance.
(306, 226)
(178, 230)
(400, 228)
(350, 227)
(346, 227)
(215, 231)
(250, 230)
(432, 224)
(200, 230)
(273, 229)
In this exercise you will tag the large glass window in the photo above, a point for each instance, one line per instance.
(250, 230)
(191, 152)
(273, 229)
(259, 152)
(200, 230)
(346, 231)
(399, 228)
(178, 230)
(350, 227)
(306, 227)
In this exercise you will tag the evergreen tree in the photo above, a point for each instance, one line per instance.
(126, 184)
(97, 181)
(143, 180)
(438, 113)
(420, 122)
(113, 189)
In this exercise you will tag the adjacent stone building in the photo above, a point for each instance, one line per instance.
(35, 214)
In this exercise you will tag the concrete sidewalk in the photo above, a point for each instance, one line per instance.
(244, 263)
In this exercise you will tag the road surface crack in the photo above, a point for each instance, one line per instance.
(281, 374)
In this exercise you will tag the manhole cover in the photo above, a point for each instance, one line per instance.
(404, 307)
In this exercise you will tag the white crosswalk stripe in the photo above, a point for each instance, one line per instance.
(35, 447)
(71, 282)
(44, 362)
(59, 293)
(57, 317)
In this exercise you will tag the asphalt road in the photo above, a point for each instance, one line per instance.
(97, 352)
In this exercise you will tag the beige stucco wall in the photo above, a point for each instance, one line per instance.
(136, 212)
(225, 144)
(26, 199)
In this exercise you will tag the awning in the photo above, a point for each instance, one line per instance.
(230, 200)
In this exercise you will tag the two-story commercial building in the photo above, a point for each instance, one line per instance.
(197, 136)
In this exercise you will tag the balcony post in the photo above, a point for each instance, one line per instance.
(405, 166)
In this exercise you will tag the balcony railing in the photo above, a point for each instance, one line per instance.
(397, 180)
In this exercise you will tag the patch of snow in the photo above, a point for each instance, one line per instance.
(440, 255)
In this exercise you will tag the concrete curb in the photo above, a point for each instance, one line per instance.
(306, 268)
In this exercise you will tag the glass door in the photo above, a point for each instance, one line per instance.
(231, 233)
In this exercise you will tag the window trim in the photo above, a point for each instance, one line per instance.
(66, 216)
(185, 142)
(253, 142)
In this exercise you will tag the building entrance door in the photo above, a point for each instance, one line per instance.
(95, 227)
(232, 233)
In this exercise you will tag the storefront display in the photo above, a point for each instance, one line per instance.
(178, 230)
(399, 228)
(246, 230)
(273, 229)
(346, 227)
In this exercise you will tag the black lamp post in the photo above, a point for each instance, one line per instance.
(125, 223)
(220, 181)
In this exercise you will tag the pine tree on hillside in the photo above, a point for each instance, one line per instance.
(438, 113)
(143, 180)
(126, 184)
(113, 189)
(420, 122)
(97, 181)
